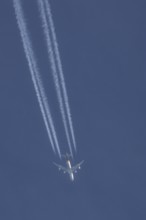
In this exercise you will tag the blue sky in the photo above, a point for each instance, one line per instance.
(103, 52)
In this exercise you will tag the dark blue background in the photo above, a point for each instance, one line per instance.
(103, 51)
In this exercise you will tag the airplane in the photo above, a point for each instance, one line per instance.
(69, 169)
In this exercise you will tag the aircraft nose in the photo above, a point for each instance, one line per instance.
(72, 177)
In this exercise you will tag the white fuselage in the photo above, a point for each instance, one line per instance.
(70, 170)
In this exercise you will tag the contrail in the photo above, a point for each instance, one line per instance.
(54, 69)
(60, 69)
(36, 77)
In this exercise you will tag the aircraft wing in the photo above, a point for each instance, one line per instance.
(61, 167)
(78, 166)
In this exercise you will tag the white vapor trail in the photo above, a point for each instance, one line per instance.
(56, 66)
(61, 75)
(54, 71)
(36, 77)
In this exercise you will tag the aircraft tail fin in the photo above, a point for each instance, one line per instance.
(66, 156)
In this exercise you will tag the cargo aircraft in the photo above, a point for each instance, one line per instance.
(69, 168)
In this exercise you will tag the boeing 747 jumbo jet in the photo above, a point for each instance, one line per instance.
(69, 169)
